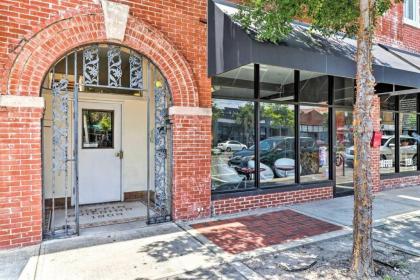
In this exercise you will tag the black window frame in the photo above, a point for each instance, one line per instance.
(397, 111)
(332, 107)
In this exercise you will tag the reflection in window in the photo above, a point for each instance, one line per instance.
(387, 150)
(344, 150)
(237, 83)
(408, 143)
(313, 143)
(408, 132)
(313, 87)
(343, 91)
(277, 145)
(232, 165)
(97, 129)
(277, 83)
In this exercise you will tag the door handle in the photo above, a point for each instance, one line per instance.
(120, 154)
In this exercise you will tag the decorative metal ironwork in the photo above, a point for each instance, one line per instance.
(136, 72)
(60, 143)
(92, 58)
(114, 66)
(160, 134)
(60, 125)
(91, 65)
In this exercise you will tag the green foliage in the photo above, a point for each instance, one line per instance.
(217, 113)
(271, 19)
(280, 115)
(105, 123)
(245, 116)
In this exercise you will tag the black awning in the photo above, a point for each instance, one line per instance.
(230, 46)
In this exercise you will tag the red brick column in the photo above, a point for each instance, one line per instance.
(191, 186)
(375, 152)
(20, 176)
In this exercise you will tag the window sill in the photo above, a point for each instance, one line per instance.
(279, 189)
(411, 23)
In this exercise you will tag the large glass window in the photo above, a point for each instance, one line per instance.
(237, 83)
(387, 149)
(233, 151)
(408, 132)
(277, 83)
(343, 91)
(398, 152)
(277, 145)
(313, 143)
(313, 88)
(344, 150)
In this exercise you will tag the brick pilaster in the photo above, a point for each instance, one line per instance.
(375, 152)
(20, 176)
(191, 187)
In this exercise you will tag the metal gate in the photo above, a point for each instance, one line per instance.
(98, 68)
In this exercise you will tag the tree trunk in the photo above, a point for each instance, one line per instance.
(362, 260)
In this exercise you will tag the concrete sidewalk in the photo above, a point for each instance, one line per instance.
(385, 204)
(168, 251)
(150, 253)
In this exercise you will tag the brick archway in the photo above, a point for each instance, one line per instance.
(29, 66)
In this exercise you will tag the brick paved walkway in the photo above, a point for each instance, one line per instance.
(242, 234)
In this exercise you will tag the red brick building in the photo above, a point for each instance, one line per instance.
(111, 101)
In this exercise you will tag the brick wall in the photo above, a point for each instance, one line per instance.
(34, 34)
(375, 114)
(244, 203)
(401, 182)
(20, 176)
(178, 20)
(392, 31)
(191, 168)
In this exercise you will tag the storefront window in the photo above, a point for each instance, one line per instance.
(387, 149)
(313, 88)
(233, 151)
(277, 83)
(237, 83)
(277, 145)
(343, 91)
(408, 133)
(344, 150)
(313, 143)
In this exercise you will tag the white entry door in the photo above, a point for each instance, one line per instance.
(99, 152)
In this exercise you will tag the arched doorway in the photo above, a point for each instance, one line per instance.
(106, 140)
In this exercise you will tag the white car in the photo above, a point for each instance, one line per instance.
(408, 151)
(231, 145)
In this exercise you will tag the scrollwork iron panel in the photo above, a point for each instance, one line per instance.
(60, 145)
(91, 65)
(161, 194)
(60, 126)
(114, 66)
(136, 72)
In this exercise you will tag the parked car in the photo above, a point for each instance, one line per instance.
(231, 145)
(408, 150)
(272, 149)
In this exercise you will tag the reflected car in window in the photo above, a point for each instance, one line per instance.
(231, 145)
(271, 150)
(408, 150)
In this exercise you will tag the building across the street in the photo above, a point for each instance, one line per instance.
(148, 111)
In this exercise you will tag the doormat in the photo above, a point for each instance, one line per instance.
(102, 214)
